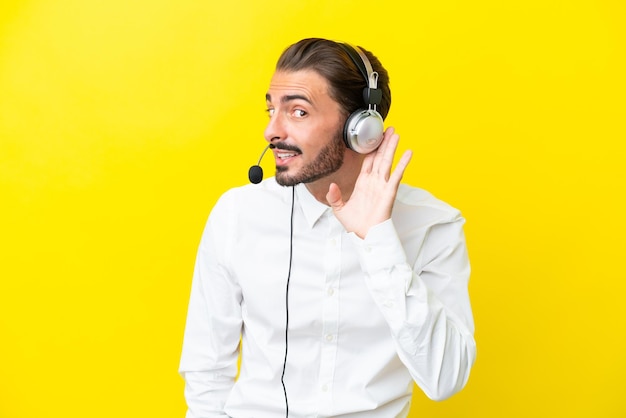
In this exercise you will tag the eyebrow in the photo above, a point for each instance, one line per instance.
(289, 98)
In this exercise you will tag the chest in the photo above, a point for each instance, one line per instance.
(321, 267)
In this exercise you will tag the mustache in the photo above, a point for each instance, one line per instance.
(287, 147)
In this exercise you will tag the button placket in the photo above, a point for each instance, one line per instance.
(330, 310)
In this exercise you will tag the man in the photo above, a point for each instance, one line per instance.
(339, 286)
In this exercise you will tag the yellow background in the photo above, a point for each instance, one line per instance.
(122, 121)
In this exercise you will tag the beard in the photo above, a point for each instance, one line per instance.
(329, 160)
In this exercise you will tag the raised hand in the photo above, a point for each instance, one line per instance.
(375, 190)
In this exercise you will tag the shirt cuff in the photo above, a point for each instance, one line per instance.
(381, 249)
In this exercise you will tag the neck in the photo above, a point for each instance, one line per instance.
(345, 178)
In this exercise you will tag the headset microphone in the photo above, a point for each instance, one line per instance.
(255, 174)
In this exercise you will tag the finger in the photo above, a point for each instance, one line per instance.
(385, 162)
(333, 197)
(368, 163)
(396, 175)
(382, 149)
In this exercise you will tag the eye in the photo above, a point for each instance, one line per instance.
(299, 113)
(270, 111)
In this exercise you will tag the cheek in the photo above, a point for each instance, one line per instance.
(329, 133)
(313, 138)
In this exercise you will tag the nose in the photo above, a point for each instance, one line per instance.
(275, 129)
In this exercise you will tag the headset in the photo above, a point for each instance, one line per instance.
(363, 131)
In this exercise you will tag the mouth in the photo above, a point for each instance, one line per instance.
(284, 153)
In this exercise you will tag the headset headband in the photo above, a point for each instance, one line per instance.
(371, 94)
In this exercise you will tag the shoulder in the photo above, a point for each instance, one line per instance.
(419, 205)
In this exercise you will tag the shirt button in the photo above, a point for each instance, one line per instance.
(332, 242)
(330, 291)
(389, 304)
(329, 337)
(324, 388)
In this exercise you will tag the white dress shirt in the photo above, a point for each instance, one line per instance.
(367, 317)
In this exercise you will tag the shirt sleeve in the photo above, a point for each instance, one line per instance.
(212, 333)
(426, 304)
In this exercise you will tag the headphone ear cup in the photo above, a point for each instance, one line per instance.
(363, 131)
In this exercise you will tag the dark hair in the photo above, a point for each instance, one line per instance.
(330, 60)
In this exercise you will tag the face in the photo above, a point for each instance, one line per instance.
(305, 126)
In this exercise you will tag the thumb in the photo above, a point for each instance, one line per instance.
(333, 197)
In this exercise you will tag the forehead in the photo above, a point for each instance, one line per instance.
(305, 83)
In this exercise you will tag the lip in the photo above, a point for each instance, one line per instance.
(284, 157)
(285, 153)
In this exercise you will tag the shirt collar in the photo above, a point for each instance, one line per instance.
(312, 208)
